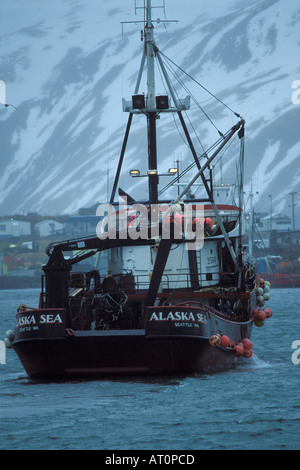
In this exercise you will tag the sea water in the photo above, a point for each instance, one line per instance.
(254, 406)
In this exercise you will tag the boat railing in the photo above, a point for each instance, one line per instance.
(139, 283)
(172, 281)
(185, 281)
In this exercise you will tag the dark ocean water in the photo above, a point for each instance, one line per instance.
(255, 406)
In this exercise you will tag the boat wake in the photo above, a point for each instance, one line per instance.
(259, 363)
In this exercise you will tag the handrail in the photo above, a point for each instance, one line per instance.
(170, 281)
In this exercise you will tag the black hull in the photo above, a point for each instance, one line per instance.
(131, 352)
(93, 357)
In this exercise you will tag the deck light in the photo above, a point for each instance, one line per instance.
(134, 172)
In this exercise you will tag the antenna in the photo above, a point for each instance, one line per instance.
(144, 7)
(293, 207)
(136, 7)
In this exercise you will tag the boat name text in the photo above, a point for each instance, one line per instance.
(178, 316)
(47, 319)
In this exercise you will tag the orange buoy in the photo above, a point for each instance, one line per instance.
(268, 312)
(225, 341)
(238, 349)
(260, 316)
(261, 282)
(215, 340)
(253, 313)
(248, 345)
(22, 308)
(209, 222)
(248, 353)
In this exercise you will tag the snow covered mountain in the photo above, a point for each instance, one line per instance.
(67, 64)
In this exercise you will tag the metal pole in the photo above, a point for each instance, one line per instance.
(121, 159)
(293, 208)
(151, 108)
(150, 59)
(271, 213)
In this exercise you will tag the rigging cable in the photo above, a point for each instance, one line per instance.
(202, 86)
(188, 91)
(187, 116)
(186, 170)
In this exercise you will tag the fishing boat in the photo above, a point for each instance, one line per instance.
(281, 266)
(278, 271)
(176, 295)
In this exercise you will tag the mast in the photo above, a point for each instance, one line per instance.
(151, 106)
(148, 106)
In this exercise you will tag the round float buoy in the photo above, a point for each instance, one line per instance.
(260, 301)
(22, 308)
(247, 344)
(208, 222)
(259, 323)
(8, 343)
(268, 312)
(248, 353)
(238, 349)
(10, 334)
(225, 341)
(259, 291)
(266, 296)
(261, 282)
(260, 316)
(215, 340)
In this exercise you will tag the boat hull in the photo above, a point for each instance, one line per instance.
(162, 347)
